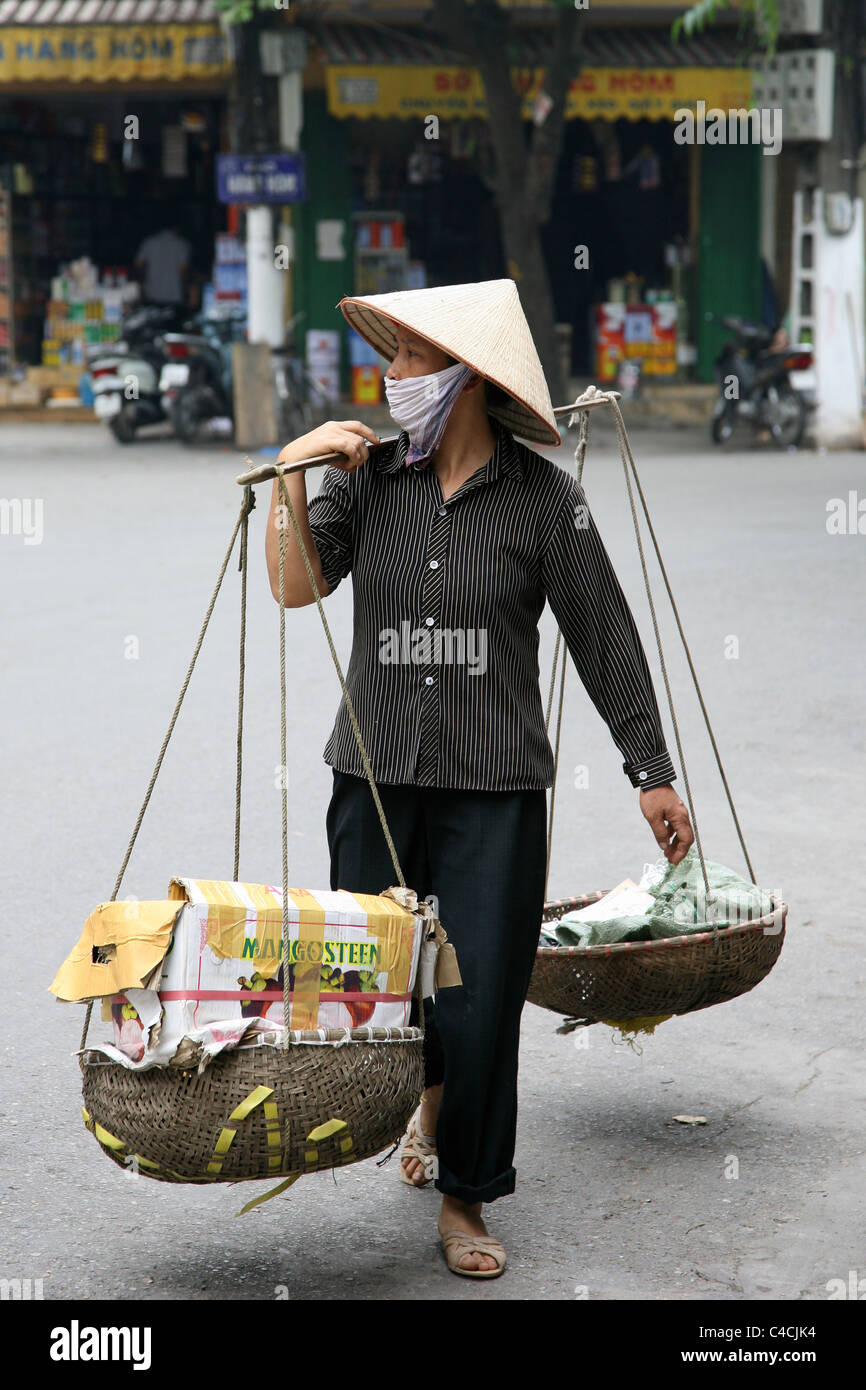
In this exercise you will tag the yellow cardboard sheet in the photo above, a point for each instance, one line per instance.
(123, 943)
(121, 946)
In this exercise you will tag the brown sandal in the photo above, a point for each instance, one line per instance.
(456, 1244)
(418, 1146)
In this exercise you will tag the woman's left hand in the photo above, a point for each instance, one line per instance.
(669, 820)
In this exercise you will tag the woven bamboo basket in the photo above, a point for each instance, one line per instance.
(646, 979)
(175, 1125)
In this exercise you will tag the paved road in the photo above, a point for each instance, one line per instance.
(613, 1200)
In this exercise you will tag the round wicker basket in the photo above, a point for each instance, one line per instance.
(175, 1125)
(640, 979)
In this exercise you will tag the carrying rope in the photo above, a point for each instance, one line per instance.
(556, 755)
(249, 503)
(346, 696)
(579, 456)
(592, 396)
(242, 526)
(624, 444)
(246, 507)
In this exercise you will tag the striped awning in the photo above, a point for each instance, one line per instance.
(609, 47)
(64, 12)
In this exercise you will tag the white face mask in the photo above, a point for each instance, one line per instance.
(421, 406)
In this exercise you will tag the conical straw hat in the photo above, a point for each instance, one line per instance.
(481, 324)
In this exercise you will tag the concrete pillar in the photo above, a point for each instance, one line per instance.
(290, 91)
(839, 286)
(839, 345)
(264, 281)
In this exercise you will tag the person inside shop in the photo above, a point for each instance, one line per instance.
(458, 525)
(162, 266)
(772, 315)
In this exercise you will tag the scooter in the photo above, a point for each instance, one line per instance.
(754, 384)
(196, 381)
(126, 392)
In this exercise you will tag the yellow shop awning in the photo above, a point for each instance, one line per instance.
(597, 93)
(112, 53)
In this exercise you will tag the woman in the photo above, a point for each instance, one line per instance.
(455, 537)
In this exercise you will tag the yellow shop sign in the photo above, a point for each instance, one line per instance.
(112, 53)
(594, 94)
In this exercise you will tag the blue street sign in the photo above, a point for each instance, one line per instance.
(261, 178)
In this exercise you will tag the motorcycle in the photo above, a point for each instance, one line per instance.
(754, 384)
(125, 380)
(196, 379)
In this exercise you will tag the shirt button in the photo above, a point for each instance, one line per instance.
(428, 680)
(429, 621)
(443, 511)
(434, 564)
(642, 776)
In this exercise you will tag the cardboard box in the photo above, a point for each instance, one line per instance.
(25, 393)
(202, 970)
(366, 386)
(61, 374)
(610, 339)
(646, 333)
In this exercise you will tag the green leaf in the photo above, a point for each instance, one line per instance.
(240, 11)
(764, 12)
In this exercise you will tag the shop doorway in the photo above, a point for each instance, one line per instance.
(622, 192)
(79, 188)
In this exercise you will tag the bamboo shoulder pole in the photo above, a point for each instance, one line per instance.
(272, 470)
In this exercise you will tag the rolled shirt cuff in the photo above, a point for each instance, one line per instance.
(652, 772)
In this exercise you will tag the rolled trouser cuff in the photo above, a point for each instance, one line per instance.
(501, 1186)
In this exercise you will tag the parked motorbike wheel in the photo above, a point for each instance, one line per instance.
(722, 425)
(191, 407)
(122, 425)
(785, 415)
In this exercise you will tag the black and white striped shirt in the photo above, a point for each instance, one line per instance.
(444, 674)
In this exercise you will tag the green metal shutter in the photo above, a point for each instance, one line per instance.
(729, 264)
(319, 284)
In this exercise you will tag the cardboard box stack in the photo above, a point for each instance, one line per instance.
(84, 311)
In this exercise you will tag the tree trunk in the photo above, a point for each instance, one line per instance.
(521, 205)
(527, 267)
(525, 173)
(253, 99)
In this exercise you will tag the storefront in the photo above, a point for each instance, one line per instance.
(624, 240)
(108, 133)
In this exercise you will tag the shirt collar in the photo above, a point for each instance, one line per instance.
(506, 455)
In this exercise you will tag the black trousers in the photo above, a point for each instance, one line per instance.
(482, 853)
